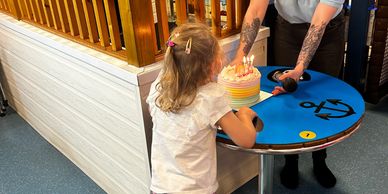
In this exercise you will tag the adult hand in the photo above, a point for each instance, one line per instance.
(294, 74)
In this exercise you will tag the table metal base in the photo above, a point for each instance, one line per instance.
(265, 178)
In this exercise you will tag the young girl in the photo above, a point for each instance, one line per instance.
(187, 106)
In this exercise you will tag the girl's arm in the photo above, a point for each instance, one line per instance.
(239, 127)
(322, 16)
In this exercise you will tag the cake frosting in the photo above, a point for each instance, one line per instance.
(241, 84)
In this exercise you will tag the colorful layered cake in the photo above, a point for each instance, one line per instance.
(242, 82)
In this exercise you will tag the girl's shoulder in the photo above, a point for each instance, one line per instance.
(211, 89)
(211, 96)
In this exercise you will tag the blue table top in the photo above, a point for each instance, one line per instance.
(320, 108)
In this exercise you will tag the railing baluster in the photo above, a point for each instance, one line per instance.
(90, 20)
(14, 9)
(5, 5)
(54, 14)
(1, 5)
(216, 17)
(113, 25)
(62, 15)
(200, 10)
(40, 12)
(181, 11)
(80, 16)
(161, 10)
(34, 10)
(28, 9)
(22, 8)
(241, 6)
(239, 16)
(47, 13)
(230, 14)
(101, 22)
(71, 17)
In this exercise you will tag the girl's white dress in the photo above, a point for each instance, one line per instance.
(183, 151)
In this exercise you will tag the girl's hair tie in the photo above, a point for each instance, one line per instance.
(170, 43)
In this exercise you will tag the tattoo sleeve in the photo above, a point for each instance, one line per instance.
(248, 34)
(310, 44)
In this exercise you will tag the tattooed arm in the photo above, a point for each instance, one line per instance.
(250, 27)
(322, 16)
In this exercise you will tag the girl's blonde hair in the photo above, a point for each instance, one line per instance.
(191, 59)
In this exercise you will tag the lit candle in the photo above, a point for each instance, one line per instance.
(252, 57)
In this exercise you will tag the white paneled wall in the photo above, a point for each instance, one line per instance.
(92, 108)
(93, 116)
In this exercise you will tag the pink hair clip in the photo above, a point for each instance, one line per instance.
(170, 43)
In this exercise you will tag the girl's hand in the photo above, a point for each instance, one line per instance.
(245, 111)
(278, 90)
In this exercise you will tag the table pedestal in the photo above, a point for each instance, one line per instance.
(265, 178)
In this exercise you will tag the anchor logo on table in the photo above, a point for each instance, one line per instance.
(322, 106)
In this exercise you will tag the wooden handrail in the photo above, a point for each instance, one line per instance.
(135, 32)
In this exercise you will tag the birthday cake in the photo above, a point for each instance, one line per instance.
(242, 83)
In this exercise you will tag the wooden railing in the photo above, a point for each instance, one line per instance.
(133, 30)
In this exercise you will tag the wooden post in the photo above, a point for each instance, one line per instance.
(137, 21)
(216, 17)
(181, 11)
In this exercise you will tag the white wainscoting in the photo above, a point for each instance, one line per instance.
(89, 109)
(92, 108)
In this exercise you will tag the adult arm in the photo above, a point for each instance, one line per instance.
(322, 16)
(250, 27)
